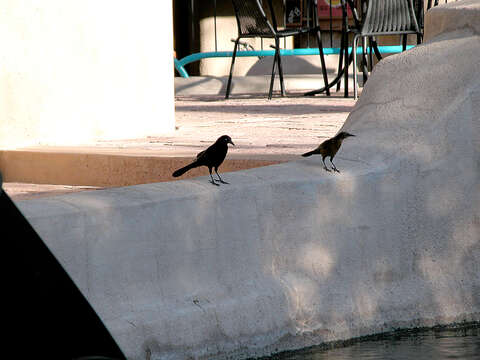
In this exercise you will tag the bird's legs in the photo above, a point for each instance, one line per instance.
(219, 178)
(211, 177)
(334, 167)
(325, 166)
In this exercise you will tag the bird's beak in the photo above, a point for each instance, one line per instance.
(351, 135)
(231, 142)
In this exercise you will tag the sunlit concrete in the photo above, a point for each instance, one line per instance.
(289, 255)
(73, 72)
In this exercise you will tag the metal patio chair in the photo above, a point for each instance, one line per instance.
(252, 22)
(434, 3)
(384, 17)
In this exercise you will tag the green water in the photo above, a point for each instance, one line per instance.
(461, 344)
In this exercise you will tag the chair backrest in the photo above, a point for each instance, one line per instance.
(251, 19)
(384, 16)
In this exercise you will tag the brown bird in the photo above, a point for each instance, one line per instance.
(329, 148)
(212, 157)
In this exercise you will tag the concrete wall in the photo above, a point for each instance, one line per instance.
(290, 255)
(77, 71)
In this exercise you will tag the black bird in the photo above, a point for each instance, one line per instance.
(329, 148)
(212, 157)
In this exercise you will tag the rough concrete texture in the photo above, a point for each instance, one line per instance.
(290, 255)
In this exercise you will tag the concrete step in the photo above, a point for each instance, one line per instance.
(94, 168)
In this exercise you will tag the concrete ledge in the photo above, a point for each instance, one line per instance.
(288, 256)
(107, 170)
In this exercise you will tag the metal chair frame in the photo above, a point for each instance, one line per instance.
(384, 17)
(263, 28)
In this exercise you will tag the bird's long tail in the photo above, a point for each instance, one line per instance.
(310, 153)
(184, 169)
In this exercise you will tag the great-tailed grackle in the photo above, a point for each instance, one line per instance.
(212, 157)
(329, 148)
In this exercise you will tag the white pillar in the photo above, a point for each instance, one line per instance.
(73, 72)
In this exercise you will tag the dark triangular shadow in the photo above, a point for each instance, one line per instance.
(47, 317)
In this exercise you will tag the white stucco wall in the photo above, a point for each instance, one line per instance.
(289, 255)
(73, 72)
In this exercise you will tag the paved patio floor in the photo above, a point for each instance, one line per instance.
(274, 130)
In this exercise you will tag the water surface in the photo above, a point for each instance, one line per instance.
(427, 345)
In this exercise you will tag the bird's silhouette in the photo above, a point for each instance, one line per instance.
(329, 148)
(212, 158)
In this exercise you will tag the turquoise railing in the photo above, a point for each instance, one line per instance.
(180, 64)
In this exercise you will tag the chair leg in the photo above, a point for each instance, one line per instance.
(364, 60)
(279, 64)
(273, 76)
(347, 64)
(229, 83)
(404, 42)
(340, 61)
(345, 45)
(354, 49)
(419, 39)
(370, 53)
(375, 49)
(322, 61)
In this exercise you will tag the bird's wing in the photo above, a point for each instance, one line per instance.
(206, 155)
(326, 142)
(201, 154)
